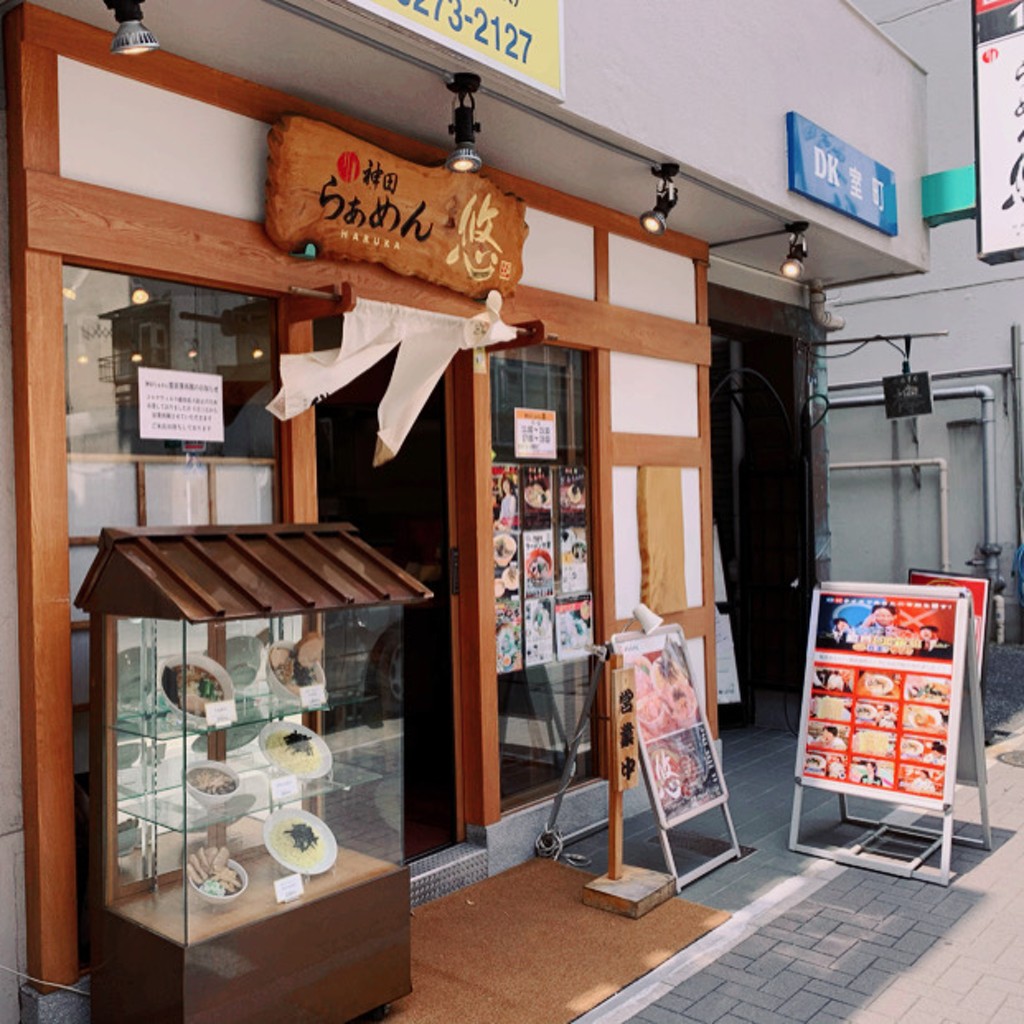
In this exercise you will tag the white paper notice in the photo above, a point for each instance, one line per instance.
(535, 436)
(181, 406)
(288, 888)
(220, 713)
(313, 696)
(285, 788)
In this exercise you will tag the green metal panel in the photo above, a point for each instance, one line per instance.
(948, 195)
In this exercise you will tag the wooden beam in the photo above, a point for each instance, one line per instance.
(656, 450)
(40, 480)
(478, 657)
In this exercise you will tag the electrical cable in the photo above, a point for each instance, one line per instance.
(48, 984)
(739, 371)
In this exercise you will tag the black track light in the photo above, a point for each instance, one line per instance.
(655, 221)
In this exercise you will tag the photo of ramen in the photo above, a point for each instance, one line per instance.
(927, 689)
(874, 684)
(834, 680)
(921, 718)
(834, 709)
(665, 699)
(683, 773)
(921, 781)
(881, 714)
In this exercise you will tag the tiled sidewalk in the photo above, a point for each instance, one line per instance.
(829, 944)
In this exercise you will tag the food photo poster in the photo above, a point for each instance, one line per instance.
(683, 774)
(881, 699)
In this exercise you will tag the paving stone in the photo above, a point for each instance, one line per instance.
(756, 1015)
(695, 987)
(855, 960)
(915, 941)
(754, 946)
(784, 985)
(734, 975)
(754, 996)
(802, 1006)
(712, 1006)
(823, 1017)
(831, 990)
(871, 982)
(819, 926)
(769, 964)
(896, 925)
(795, 937)
(655, 1014)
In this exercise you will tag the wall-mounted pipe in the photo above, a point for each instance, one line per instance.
(819, 314)
(943, 468)
(990, 548)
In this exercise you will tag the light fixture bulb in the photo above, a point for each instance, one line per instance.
(655, 221)
(82, 359)
(131, 37)
(139, 296)
(793, 265)
(193, 350)
(464, 158)
(792, 268)
(69, 293)
(136, 357)
(257, 352)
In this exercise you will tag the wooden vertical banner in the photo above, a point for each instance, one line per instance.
(624, 763)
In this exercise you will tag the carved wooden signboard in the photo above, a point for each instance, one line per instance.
(355, 201)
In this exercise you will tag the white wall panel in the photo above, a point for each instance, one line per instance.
(244, 494)
(652, 280)
(626, 541)
(559, 255)
(692, 537)
(136, 138)
(653, 396)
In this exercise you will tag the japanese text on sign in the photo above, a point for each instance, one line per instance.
(828, 170)
(535, 434)
(625, 759)
(181, 406)
(522, 38)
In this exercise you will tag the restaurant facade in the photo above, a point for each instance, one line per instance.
(144, 236)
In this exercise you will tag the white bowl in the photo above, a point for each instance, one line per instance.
(289, 691)
(326, 851)
(220, 901)
(244, 655)
(321, 766)
(208, 667)
(211, 799)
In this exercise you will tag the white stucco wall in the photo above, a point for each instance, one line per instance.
(976, 303)
(12, 887)
(821, 58)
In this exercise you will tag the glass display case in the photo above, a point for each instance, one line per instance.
(247, 825)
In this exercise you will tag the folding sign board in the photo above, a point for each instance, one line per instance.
(681, 767)
(889, 694)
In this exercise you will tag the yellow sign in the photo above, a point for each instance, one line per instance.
(520, 37)
(354, 201)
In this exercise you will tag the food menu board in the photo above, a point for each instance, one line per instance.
(683, 775)
(883, 694)
(979, 599)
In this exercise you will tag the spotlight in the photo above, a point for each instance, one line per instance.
(193, 349)
(69, 293)
(793, 265)
(647, 619)
(655, 221)
(131, 36)
(257, 351)
(139, 296)
(464, 158)
(136, 357)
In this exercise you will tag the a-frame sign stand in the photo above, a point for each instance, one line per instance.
(891, 846)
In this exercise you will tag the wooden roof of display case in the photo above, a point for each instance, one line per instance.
(239, 572)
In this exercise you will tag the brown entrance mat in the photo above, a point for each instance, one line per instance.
(521, 948)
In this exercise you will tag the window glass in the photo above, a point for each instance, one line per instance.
(543, 587)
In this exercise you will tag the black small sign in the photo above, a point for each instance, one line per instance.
(908, 394)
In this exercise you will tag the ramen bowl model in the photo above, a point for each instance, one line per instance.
(299, 841)
(187, 687)
(212, 782)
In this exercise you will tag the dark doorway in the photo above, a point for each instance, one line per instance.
(401, 508)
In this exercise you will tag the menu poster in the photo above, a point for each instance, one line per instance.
(536, 434)
(505, 496)
(536, 508)
(538, 563)
(574, 625)
(882, 693)
(572, 551)
(506, 565)
(509, 636)
(572, 495)
(539, 623)
(979, 599)
(683, 774)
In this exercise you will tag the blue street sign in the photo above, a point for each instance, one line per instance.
(824, 168)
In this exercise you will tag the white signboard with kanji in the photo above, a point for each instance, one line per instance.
(180, 405)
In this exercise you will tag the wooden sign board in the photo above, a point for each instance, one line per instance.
(355, 201)
(625, 762)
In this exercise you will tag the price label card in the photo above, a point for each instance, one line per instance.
(285, 788)
(288, 888)
(221, 713)
(314, 696)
